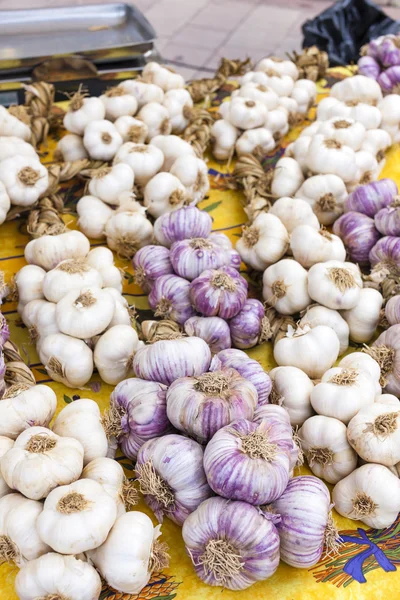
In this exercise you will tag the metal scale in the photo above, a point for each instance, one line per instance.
(68, 46)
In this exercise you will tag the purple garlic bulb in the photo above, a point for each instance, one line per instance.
(369, 67)
(190, 258)
(169, 298)
(371, 197)
(171, 476)
(359, 235)
(372, 49)
(248, 461)
(392, 310)
(389, 80)
(213, 330)
(247, 327)
(386, 251)
(387, 220)
(182, 224)
(4, 331)
(248, 368)
(138, 412)
(231, 543)
(2, 374)
(219, 292)
(151, 262)
(389, 51)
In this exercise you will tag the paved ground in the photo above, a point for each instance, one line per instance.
(199, 32)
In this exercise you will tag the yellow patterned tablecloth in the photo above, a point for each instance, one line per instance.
(366, 566)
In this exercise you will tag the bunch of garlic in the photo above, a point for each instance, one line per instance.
(258, 114)
(76, 313)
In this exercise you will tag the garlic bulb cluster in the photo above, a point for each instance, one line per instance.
(78, 318)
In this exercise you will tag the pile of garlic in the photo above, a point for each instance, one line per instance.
(70, 298)
(258, 114)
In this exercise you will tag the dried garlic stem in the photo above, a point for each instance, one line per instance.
(279, 289)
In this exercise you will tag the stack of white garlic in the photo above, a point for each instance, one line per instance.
(258, 114)
(71, 300)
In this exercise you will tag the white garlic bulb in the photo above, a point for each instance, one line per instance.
(364, 362)
(145, 161)
(264, 242)
(192, 172)
(101, 140)
(128, 230)
(335, 284)
(66, 359)
(131, 129)
(165, 77)
(5, 444)
(36, 405)
(224, 136)
(69, 275)
(178, 103)
(118, 103)
(114, 353)
(282, 67)
(71, 147)
(311, 246)
(244, 113)
(39, 461)
(172, 148)
(110, 475)
(29, 282)
(102, 259)
(293, 213)
(156, 117)
(287, 179)
(291, 388)
(57, 576)
(257, 91)
(326, 195)
(12, 125)
(24, 178)
(85, 312)
(285, 287)
(93, 216)
(81, 112)
(320, 315)
(163, 193)
(143, 92)
(259, 140)
(363, 318)
(110, 182)
(49, 250)
(324, 443)
(81, 420)
(342, 392)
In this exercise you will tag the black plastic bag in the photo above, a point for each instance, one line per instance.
(343, 28)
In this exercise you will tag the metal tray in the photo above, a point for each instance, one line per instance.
(86, 30)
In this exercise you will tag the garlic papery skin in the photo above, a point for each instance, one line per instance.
(213, 330)
(144, 160)
(77, 517)
(264, 242)
(12, 125)
(82, 111)
(171, 476)
(247, 461)
(385, 350)
(20, 541)
(278, 417)
(370, 494)
(392, 310)
(5, 203)
(320, 315)
(101, 140)
(24, 178)
(110, 182)
(374, 433)
(345, 131)
(219, 293)
(324, 443)
(293, 213)
(281, 84)
(71, 147)
(185, 223)
(130, 553)
(199, 406)
(110, 475)
(305, 524)
(85, 312)
(363, 319)
(156, 117)
(143, 92)
(81, 420)
(93, 216)
(137, 414)
(365, 363)
(15, 146)
(114, 353)
(165, 77)
(169, 298)
(122, 313)
(40, 460)
(277, 122)
(224, 136)
(311, 350)
(131, 129)
(388, 399)
(340, 158)
(190, 258)
(291, 388)
(128, 230)
(305, 93)
(49, 250)
(245, 113)
(118, 103)
(102, 259)
(335, 284)
(326, 195)
(283, 67)
(66, 359)
(248, 368)
(5, 444)
(285, 287)
(357, 89)
(369, 116)
(33, 406)
(68, 275)
(172, 148)
(192, 172)
(220, 550)
(40, 317)
(29, 282)
(259, 141)
(57, 576)
(249, 327)
(342, 393)
(376, 141)
(257, 91)
(151, 262)
(287, 179)
(179, 104)
(166, 360)
(310, 246)
(164, 193)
